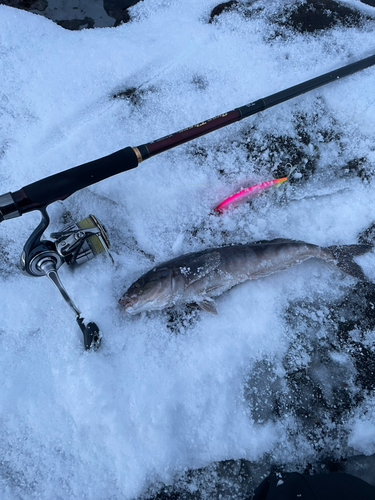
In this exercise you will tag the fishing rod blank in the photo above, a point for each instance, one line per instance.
(59, 186)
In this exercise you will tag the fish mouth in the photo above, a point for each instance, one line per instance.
(131, 305)
(126, 302)
(135, 306)
(154, 298)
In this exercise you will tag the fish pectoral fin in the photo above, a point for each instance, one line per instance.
(200, 267)
(208, 306)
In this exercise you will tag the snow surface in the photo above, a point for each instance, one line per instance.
(177, 390)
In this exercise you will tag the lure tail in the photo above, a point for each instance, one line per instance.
(343, 258)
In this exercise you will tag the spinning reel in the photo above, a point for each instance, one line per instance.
(74, 244)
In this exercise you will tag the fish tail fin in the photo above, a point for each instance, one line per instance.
(343, 258)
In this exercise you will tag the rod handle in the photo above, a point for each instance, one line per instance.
(63, 184)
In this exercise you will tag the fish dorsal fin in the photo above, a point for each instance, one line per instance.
(208, 305)
(281, 240)
(199, 267)
(276, 241)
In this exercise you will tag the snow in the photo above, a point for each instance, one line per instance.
(362, 431)
(172, 391)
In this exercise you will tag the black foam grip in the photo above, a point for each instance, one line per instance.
(61, 185)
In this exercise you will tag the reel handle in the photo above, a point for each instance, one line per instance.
(91, 335)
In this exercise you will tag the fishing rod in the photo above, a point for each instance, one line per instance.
(77, 243)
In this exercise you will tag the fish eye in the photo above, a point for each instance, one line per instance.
(163, 273)
(139, 282)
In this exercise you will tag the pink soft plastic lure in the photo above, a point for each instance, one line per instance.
(246, 193)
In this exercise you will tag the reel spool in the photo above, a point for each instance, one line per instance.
(74, 244)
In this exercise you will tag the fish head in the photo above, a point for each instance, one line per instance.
(152, 291)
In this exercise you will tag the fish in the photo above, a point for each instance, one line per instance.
(199, 277)
(245, 194)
